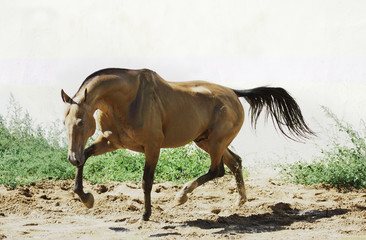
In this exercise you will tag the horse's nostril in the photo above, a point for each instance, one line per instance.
(76, 159)
(72, 159)
(74, 162)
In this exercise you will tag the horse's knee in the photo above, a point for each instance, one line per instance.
(89, 151)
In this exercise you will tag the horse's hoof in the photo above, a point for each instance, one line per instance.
(181, 199)
(145, 217)
(240, 201)
(89, 200)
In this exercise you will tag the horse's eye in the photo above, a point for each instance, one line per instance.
(79, 123)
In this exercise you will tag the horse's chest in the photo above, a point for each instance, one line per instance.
(126, 140)
(121, 137)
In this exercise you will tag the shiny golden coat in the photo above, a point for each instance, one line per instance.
(140, 111)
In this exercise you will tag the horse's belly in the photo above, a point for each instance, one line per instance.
(173, 143)
(180, 136)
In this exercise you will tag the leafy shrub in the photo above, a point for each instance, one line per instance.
(26, 155)
(182, 164)
(343, 164)
(175, 164)
(120, 165)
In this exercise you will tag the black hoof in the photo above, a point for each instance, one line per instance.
(146, 216)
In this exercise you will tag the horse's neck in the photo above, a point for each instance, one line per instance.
(106, 92)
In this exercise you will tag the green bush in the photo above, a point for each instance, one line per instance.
(120, 165)
(182, 164)
(26, 155)
(342, 164)
(175, 164)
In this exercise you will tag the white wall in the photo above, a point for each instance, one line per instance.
(315, 49)
(190, 28)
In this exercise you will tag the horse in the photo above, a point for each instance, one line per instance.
(140, 111)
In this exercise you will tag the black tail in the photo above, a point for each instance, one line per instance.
(282, 108)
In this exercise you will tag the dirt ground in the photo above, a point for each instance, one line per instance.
(275, 210)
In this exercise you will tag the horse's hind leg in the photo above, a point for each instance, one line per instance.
(233, 162)
(216, 170)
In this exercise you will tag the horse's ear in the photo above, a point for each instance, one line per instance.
(85, 93)
(66, 98)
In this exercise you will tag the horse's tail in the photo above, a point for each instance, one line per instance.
(284, 110)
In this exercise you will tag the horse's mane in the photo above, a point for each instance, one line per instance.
(100, 72)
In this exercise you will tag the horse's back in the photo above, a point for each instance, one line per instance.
(195, 107)
(208, 93)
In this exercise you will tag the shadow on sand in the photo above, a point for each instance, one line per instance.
(281, 217)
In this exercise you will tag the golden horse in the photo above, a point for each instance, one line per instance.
(140, 111)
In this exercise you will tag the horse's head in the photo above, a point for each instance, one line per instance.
(80, 125)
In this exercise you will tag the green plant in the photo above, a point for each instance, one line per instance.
(120, 165)
(343, 164)
(182, 164)
(175, 164)
(26, 154)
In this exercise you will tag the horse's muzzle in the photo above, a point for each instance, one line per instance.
(76, 159)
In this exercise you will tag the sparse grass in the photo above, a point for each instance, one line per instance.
(343, 164)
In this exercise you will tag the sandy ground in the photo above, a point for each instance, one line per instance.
(275, 210)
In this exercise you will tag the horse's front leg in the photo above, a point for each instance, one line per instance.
(86, 198)
(151, 159)
(100, 146)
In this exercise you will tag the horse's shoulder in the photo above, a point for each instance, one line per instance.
(150, 81)
(148, 75)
